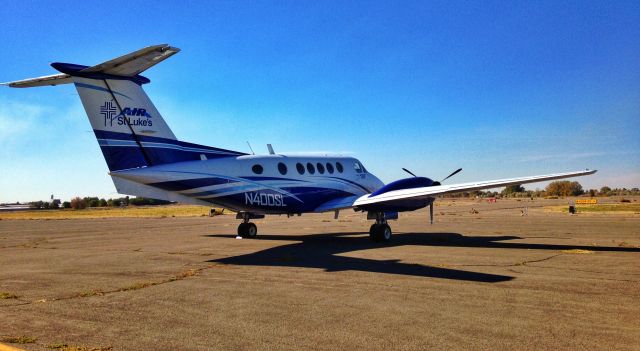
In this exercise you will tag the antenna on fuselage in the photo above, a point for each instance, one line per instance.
(271, 152)
(253, 153)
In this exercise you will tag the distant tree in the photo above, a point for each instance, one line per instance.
(78, 203)
(54, 205)
(103, 203)
(592, 192)
(564, 188)
(92, 201)
(36, 204)
(45, 205)
(66, 204)
(114, 202)
(605, 190)
(511, 190)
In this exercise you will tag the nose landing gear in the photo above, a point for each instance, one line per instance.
(247, 229)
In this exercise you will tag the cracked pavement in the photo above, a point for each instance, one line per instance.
(491, 280)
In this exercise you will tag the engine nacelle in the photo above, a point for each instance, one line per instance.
(405, 204)
(407, 183)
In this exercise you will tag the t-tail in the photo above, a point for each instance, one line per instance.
(130, 130)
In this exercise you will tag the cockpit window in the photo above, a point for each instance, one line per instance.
(329, 168)
(357, 167)
(320, 168)
(310, 168)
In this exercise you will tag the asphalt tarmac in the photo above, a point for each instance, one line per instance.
(496, 279)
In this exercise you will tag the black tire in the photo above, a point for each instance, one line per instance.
(373, 232)
(384, 233)
(251, 230)
(242, 230)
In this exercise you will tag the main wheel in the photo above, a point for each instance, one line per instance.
(373, 232)
(251, 231)
(242, 229)
(380, 232)
(384, 231)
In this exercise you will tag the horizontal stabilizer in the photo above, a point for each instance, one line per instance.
(54, 79)
(136, 62)
(129, 65)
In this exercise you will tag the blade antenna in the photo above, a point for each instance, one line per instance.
(253, 153)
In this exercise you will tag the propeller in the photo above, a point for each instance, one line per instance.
(408, 171)
(434, 183)
(447, 177)
(452, 174)
(440, 183)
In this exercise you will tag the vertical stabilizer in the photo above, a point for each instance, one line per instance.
(130, 130)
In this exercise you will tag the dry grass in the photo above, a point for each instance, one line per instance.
(599, 208)
(109, 212)
(18, 339)
(6, 296)
(137, 286)
(66, 347)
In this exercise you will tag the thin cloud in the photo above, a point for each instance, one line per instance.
(16, 119)
(571, 156)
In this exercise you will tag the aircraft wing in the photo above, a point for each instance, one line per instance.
(430, 191)
(422, 193)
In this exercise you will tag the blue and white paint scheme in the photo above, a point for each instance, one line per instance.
(146, 159)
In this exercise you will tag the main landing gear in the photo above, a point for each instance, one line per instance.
(380, 231)
(247, 229)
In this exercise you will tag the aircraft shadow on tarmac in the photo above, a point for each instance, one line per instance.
(321, 251)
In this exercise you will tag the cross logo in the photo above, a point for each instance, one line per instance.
(108, 110)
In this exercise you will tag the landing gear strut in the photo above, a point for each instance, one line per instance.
(247, 229)
(380, 231)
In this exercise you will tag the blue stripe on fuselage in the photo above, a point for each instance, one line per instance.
(121, 150)
(188, 184)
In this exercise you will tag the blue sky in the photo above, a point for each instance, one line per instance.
(500, 89)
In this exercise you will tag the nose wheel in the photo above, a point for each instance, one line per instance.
(247, 230)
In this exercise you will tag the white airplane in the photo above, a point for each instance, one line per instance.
(146, 159)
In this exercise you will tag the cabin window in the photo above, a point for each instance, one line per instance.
(320, 168)
(357, 167)
(282, 168)
(257, 169)
(339, 167)
(329, 168)
(300, 168)
(310, 168)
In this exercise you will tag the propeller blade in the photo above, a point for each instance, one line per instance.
(408, 171)
(452, 174)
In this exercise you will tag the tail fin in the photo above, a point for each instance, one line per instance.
(130, 130)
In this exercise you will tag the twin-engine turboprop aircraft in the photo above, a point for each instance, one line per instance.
(146, 159)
